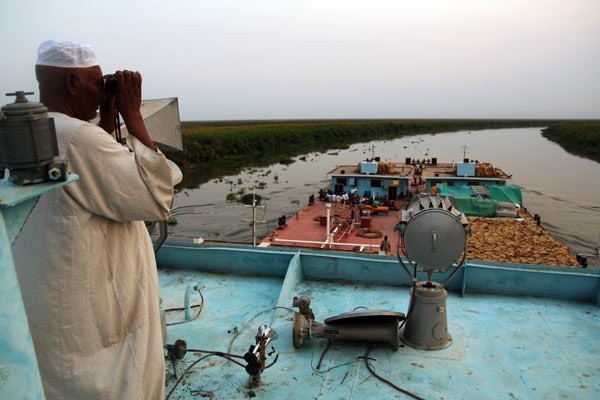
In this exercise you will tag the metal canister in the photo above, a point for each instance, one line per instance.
(28, 142)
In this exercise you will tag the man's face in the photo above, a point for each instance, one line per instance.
(89, 98)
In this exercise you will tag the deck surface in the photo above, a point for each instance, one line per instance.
(504, 347)
(306, 230)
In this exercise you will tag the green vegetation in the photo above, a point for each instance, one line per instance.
(214, 149)
(249, 198)
(581, 138)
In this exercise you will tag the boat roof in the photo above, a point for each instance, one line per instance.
(400, 170)
(403, 170)
(517, 332)
(448, 170)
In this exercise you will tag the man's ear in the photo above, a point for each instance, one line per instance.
(72, 83)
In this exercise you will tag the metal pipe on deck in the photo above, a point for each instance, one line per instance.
(329, 238)
(376, 246)
(186, 299)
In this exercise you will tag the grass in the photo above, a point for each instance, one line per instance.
(581, 138)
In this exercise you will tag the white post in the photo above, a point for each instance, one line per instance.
(329, 239)
(253, 219)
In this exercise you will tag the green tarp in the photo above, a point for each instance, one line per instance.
(509, 193)
(446, 190)
(478, 207)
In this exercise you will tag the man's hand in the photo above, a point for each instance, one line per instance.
(128, 102)
(129, 94)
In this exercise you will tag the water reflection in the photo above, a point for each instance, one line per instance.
(562, 188)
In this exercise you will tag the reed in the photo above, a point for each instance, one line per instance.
(581, 138)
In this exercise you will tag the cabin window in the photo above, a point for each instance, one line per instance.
(375, 182)
(472, 183)
(341, 181)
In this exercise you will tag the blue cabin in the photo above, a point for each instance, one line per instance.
(372, 179)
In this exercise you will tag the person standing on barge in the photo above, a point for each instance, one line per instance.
(385, 246)
(85, 261)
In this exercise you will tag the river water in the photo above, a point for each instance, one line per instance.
(562, 188)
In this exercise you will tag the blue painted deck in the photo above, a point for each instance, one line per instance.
(540, 342)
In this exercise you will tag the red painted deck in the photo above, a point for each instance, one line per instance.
(308, 229)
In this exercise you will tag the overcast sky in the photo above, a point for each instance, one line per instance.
(281, 59)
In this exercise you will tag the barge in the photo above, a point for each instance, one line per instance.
(363, 206)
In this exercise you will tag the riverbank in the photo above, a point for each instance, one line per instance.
(213, 149)
(581, 138)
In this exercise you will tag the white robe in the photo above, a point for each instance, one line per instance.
(87, 269)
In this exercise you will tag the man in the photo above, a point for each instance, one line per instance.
(385, 246)
(84, 258)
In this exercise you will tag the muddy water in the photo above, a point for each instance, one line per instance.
(562, 188)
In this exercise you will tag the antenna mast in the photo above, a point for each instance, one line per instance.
(464, 152)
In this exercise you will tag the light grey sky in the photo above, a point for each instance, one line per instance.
(284, 59)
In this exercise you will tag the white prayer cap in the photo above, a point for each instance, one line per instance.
(66, 54)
